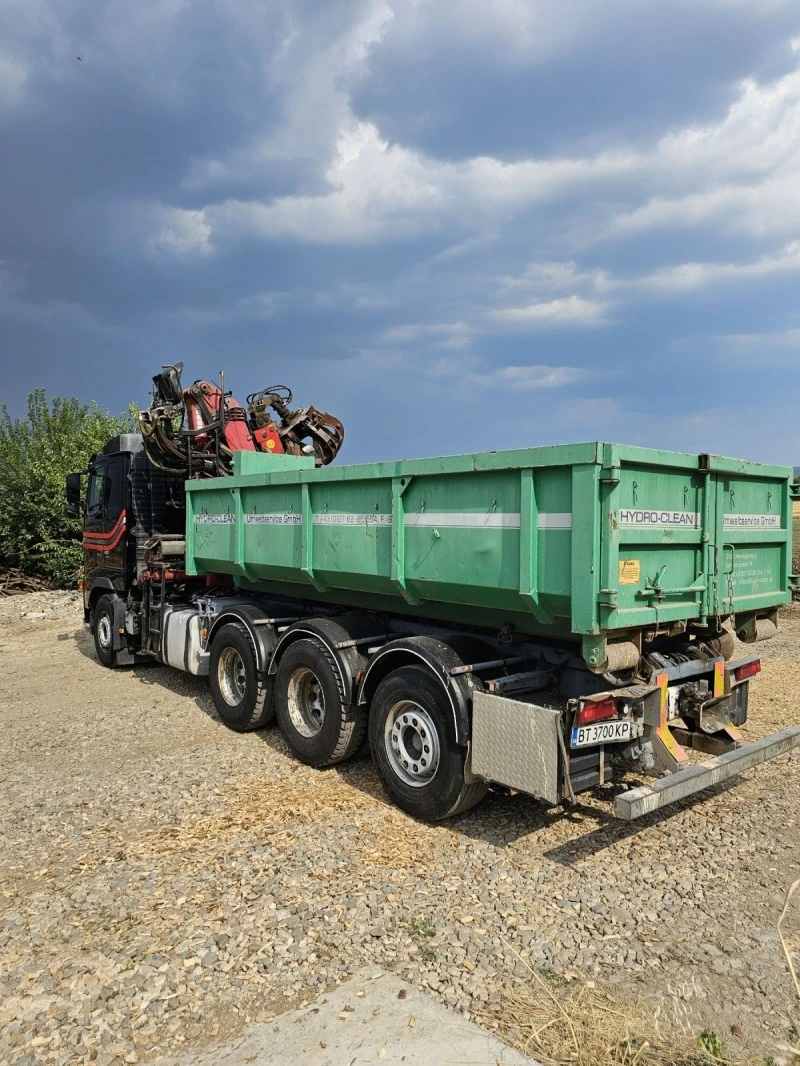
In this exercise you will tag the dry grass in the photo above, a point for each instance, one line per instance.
(566, 1021)
(789, 949)
(574, 1024)
(569, 1022)
(790, 1056)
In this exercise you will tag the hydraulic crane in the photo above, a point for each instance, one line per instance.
(192, 432)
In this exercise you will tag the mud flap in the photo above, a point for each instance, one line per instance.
(120, 639)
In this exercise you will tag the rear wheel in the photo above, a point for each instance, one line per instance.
(318, 724)
(241, 694)
(412, 740)
(103, 625)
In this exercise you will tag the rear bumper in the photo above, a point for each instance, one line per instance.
(640, 801)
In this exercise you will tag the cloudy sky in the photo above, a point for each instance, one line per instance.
(456, 224)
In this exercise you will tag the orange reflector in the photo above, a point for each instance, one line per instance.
(741, 673)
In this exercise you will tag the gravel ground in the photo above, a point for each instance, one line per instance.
(164, 880)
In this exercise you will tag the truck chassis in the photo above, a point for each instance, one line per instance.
(446, 710)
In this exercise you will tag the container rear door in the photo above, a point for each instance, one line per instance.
(753, 537)
(690, 537)
(655, 559)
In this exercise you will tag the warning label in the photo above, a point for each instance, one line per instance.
(629, 571)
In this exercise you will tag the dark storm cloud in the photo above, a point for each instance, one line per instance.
(627, 73)
(425, 217)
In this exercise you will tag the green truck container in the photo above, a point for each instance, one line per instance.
(541, 619)
(584, 542)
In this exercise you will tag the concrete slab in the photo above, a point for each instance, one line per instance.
(373, 1018)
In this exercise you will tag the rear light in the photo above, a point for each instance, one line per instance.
(596, 711)
(741, 673)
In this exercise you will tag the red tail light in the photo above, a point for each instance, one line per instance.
(741, 673)
(596, 711)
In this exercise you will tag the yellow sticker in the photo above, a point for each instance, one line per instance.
(629, 571)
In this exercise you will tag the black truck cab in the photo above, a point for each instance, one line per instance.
(127, 501)
(108, 551)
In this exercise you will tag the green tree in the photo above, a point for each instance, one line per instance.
(36, 454)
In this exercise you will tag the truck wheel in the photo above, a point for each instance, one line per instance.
(412, 740)
(242, 696)
(319, 727)
(103, 626)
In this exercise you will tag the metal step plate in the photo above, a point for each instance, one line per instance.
(515, 743)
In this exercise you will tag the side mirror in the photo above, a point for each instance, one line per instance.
(73, 507)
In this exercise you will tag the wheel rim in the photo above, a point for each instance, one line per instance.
(104, 632)
(306, 702)
(231, 676)
(411, 739)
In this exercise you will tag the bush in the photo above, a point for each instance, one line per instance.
(36, 454)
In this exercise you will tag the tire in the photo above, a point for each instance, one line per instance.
(413, 746)
(242, 696)
(103, 628)
(318, 725)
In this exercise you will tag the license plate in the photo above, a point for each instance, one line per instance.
(583, 736)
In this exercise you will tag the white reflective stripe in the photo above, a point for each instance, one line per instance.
(345, 518)
(752, 521)
(465, 519)
(287, 519)
(427, 519)
(555, 520)
(632, 516)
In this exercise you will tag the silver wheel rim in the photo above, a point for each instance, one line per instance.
(306, 702)
(411, 739)
(231, 676)
(104, 632)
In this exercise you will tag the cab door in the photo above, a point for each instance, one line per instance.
(105, 522)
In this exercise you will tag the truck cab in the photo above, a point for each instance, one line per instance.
(127, 500)
(108, 551)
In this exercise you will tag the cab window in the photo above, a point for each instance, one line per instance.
(97, 495)
(114, 487)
